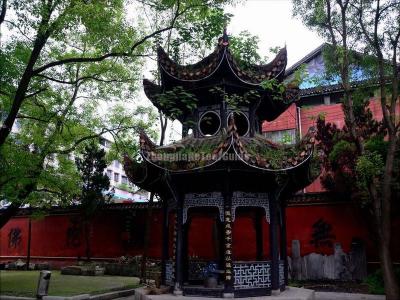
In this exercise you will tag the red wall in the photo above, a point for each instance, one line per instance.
(49, 235)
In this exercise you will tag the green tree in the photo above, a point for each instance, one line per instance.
(59, 121)
(374, 28)
(63, 63)
(94, 186)
(245, 49)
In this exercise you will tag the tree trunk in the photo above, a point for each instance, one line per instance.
(3, 11)
(163, 122)
(87, 239)
(391, 285)
(23, 85)
(8, 213)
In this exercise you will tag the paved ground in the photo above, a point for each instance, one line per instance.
(346, 296)
(291, 293)
(318, 296)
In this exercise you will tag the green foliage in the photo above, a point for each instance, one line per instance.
(94, 182)
(376, 144)
(197, 33)
(244, 48)
(234, 101)
(275, 156)
(300, 75)
(276, 89)
(68, 105)
(340, 149)
(287, 139)
(177, 101)
(375, 281)
(368, 167)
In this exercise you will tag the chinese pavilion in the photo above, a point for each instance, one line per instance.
(223, 164)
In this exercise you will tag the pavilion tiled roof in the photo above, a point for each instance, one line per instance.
(253, 74)
(193, 153)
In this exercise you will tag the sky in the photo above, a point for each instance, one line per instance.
(272, 22)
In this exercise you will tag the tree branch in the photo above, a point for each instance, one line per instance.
(44, 190)
(35, 93)
(89, 137)
(20, 30)
(80, 79)
(99, 58)
(21, 116)
(114, 54)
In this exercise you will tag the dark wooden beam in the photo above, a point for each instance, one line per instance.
(284, 240)
(179, 245)
(185, 249)
(165, 241)
(274, 245)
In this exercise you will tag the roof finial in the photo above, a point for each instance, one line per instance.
(225, 39)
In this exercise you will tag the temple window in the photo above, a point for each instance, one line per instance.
(242, 123)
(209, 123)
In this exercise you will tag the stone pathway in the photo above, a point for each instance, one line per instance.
(346, 296)
(318, 296)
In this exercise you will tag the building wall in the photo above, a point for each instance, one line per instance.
(308, 115)
(123, 188)
(59, 238)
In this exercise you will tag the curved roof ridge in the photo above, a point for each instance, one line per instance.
(206, 67)
(255, 74)
(192, 72)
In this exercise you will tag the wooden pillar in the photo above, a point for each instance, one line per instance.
(259, 235)
(165, 241)
(274, 246)
(229, 276)
(179, 246)
(284, 241)
(185, 249)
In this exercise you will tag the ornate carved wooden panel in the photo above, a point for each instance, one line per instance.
(250, 199)
(249, 275)
(214, 199)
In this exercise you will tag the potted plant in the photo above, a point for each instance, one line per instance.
(210, 275)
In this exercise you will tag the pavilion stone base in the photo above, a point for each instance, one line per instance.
(290, 293)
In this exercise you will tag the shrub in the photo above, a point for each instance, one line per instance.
(375, 281)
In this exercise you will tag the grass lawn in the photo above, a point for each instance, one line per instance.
(24, 283)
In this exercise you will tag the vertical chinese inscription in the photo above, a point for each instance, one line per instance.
(228, 244)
